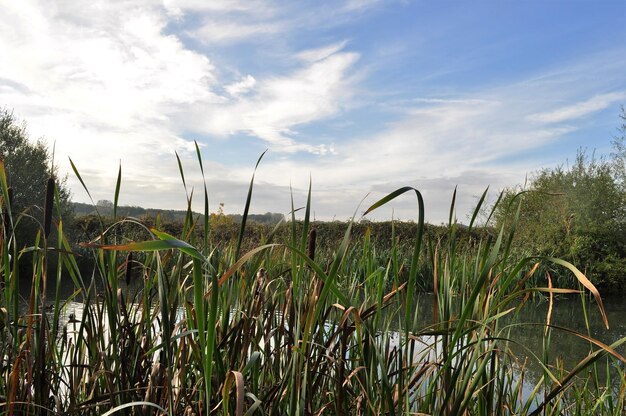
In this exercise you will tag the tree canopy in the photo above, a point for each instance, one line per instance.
(619, 152)
(576, 212)
(28, 166)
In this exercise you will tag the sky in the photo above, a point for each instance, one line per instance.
(355, 97)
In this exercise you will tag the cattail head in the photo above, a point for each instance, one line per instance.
(260, 278)
(47, 207)
(129, 267)
(3, 317)
(310, 248)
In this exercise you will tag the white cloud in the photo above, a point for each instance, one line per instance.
(580, 109)
(310, 94)
(230, 22)
(314, 55)
(241, 87)
(180, 7)
(100, 80)
(121, 71)
(471, 101)
(434, 146)
(219, 31)
(227, 21)
(107, 82)
(279, 104)
(353, 5)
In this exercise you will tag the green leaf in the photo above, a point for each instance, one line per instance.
(166, 242)
(117, 191)
(247, 207)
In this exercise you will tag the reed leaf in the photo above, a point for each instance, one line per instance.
(584, 281)
(246, 208)
(206, 228)
(133, 404)
(118, 184)
(237, 378)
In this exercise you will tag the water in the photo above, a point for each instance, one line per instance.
(527, 329)
(566, 312)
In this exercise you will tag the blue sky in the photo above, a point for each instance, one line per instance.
(360, 96)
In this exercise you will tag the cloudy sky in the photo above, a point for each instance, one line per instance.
(360, 96)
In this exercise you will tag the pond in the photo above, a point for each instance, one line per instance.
(567, 312)
(526, 329)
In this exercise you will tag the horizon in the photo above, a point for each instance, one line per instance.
(286, 216)
(358, 97)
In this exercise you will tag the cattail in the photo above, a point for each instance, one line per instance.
(122, 306)
(129, 267)
(310, 248)
(47, 208)
(5, 213)
(3, 318)
(260, 279)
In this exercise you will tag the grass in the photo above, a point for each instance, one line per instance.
(205, 329)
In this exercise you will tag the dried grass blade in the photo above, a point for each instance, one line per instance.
(237, 377)
(586, 283)
(549, 316)
(242, 260)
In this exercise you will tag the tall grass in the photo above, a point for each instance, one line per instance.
(182, 325)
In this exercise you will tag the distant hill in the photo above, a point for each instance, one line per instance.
(105, 208)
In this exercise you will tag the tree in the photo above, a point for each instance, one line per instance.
(28, 167)
(575, 213)
(619, 152)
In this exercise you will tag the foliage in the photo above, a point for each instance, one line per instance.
(397, 237)
(105, 209)
(576, 212)
(189, 326)
(619, 152)
(28, 167)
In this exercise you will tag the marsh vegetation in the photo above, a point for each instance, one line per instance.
(188, 325)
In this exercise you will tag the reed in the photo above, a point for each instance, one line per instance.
(185, 325)
(47, 207)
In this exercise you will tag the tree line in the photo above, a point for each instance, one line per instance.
(575, 211)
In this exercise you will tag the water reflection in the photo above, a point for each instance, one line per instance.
(526, 328)
(567, 312)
